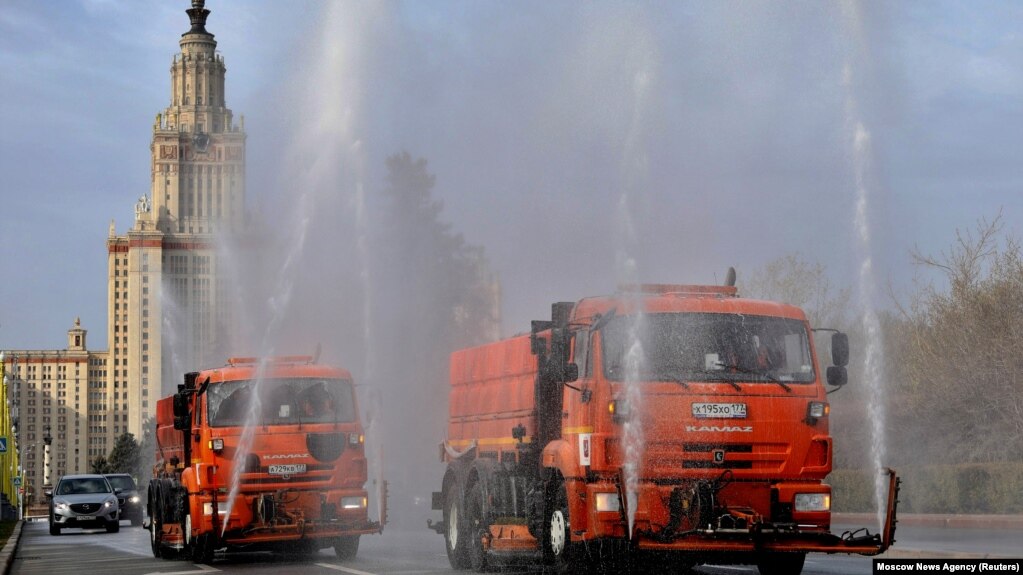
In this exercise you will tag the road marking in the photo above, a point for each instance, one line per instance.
(202, 569)
(345, 569)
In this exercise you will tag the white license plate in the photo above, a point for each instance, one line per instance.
(288, 469)
(719, 410)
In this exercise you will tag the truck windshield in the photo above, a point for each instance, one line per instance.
(281, 401)
(707, 347)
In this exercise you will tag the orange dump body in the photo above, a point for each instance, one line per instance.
(274, 452)
(729, 457)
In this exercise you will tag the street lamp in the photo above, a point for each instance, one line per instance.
(47, 440)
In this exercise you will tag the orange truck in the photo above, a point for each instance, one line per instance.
(669, 420)
(260, 454)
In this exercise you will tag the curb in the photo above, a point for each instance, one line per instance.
(936, 520)
(899, 553)
(10, 548)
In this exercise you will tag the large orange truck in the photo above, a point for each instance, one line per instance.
(260, 454)
(669, 420)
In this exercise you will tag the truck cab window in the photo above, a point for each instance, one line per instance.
(581, 353)
(281, 402)
(708, 347)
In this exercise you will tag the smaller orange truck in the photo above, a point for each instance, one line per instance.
(260, 454)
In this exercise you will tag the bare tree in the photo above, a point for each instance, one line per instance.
(793, 280)
(961, 368)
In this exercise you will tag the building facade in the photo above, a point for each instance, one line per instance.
(55, 395)
(166, 305)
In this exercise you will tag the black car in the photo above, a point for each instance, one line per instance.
(127, 497)
(86, 501)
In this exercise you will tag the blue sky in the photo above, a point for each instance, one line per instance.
(688, 136)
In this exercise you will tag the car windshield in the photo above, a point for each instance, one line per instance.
(707, 347)
(83, 485)
(280, 401)
(124, 483)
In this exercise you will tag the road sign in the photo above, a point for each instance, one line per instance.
(17, 480)
(3, 444)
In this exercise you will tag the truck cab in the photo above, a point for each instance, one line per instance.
(260, 453)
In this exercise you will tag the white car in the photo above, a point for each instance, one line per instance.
(86, 501)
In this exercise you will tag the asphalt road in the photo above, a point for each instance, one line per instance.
(414, 552)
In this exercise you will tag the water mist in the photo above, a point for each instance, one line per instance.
(872, 360)
(634, 169)
(279, 306)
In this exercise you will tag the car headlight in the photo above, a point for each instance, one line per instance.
(607, 502)
(109, 503)
(60, 505)
(134, 499)
(813, 502)
(358, 502)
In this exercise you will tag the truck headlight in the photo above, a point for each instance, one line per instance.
(813, 502)
(217, 444)
(619, 410)
(607, 502)
(357, 502)
(817, 409)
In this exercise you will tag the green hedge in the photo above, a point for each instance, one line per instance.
(968, 488)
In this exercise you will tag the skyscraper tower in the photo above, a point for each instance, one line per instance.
(166, 301)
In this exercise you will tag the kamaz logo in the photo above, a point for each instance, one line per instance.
(714, 428)
(287, 456)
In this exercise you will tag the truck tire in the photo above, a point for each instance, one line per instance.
(455, 535)
(346, 547)
(474, 516)
(155, 520)
(781, 563)
(558, 550)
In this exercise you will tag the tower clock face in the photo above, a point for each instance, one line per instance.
(201, 141)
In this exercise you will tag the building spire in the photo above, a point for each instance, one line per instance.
(197, 15)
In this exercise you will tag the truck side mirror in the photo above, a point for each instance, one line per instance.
(180, 405)
(837, 375)
(181, 415)
(839, 349)
(570, 373)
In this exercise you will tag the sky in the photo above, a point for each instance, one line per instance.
(581, 144)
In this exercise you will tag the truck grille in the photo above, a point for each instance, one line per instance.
(762, 457)
(314, 474)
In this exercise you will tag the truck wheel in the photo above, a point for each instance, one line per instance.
(346, 547)
(455, 536)
(781, 563)
(474, 516)
(557, 544)
(155, 521)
